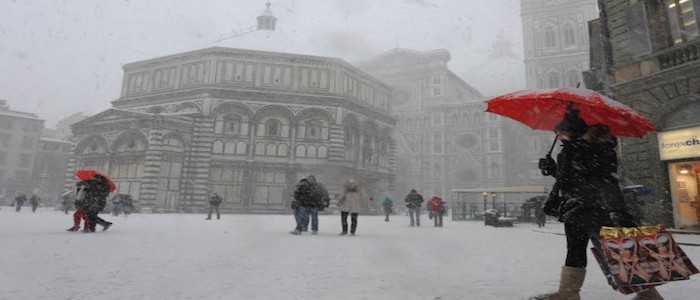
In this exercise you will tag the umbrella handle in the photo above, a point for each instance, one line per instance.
(556, 138)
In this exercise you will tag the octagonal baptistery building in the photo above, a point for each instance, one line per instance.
(242, 123)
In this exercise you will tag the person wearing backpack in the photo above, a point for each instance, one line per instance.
(413, 202)
(388, 206)
(437, 208)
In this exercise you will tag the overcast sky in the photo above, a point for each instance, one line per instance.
(63, 56)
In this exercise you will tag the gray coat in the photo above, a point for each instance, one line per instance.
(351, 200)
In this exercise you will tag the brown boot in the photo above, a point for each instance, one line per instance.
(650, 294)
(570, 284)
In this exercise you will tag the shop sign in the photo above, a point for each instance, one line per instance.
(679, 144)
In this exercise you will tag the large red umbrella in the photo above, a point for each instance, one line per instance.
(544, 109)
(92, 174)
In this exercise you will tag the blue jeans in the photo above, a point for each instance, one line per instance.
(299, 217)
(311, 216)
(303, 215)
(414, 213)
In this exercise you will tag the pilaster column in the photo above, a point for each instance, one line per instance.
(336, 143)
(200, 162)
(71, 167)
(252, 132)
(293, 143)
(148, 196)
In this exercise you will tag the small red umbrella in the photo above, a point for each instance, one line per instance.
(91, 174)
(543, 110)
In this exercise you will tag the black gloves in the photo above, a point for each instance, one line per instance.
(547, 165)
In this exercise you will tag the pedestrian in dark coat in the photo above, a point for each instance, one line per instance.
(320, 200)
(96, 200)
(388, 206)
(413, 203)
(584, 169)
(303, 203)
(214, 203)
(34, 201)
(19, 201)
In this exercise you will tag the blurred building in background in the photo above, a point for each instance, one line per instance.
(246, 124)
(49, 170)
(445, 139)
(19, 139)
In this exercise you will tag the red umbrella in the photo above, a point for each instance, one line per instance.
(543, 110)
(91, 174)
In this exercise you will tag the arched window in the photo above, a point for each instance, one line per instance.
(550, 37)
(271, 150)
(230, 148)
(553, 80)
(218, 147)
(242, 148)
(569, 35)
(282, 150)
(273, 127)
(313, 129)
(232, 124)
(311, 151)
(301, 151)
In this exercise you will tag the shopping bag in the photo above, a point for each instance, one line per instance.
(637, 258)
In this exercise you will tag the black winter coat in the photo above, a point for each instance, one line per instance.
(95, 197)
(413, 200)
(581, 201)
(305, 196)
(586, 178)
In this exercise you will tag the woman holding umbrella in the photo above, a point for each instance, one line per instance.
(91, 199)
(584, 196)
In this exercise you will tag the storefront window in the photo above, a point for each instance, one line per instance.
(685, 182)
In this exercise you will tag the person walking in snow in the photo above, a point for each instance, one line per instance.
(320, 200)
(96, 196)
(80, 204)
(388, 206)
(584, 196)
(413, 203)
(34, 201)
(303, 204)
(19, 201)
(350, 204)
(214, 203)
(437, 208)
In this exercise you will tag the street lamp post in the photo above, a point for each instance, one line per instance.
(485, 196)
(493, 200)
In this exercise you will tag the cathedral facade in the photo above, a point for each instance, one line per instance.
(242, 123)
(555, 35)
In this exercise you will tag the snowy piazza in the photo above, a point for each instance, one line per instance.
(350, 149)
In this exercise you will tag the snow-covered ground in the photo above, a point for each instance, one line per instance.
(254, 257)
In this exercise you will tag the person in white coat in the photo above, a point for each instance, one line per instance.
(350, 204)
